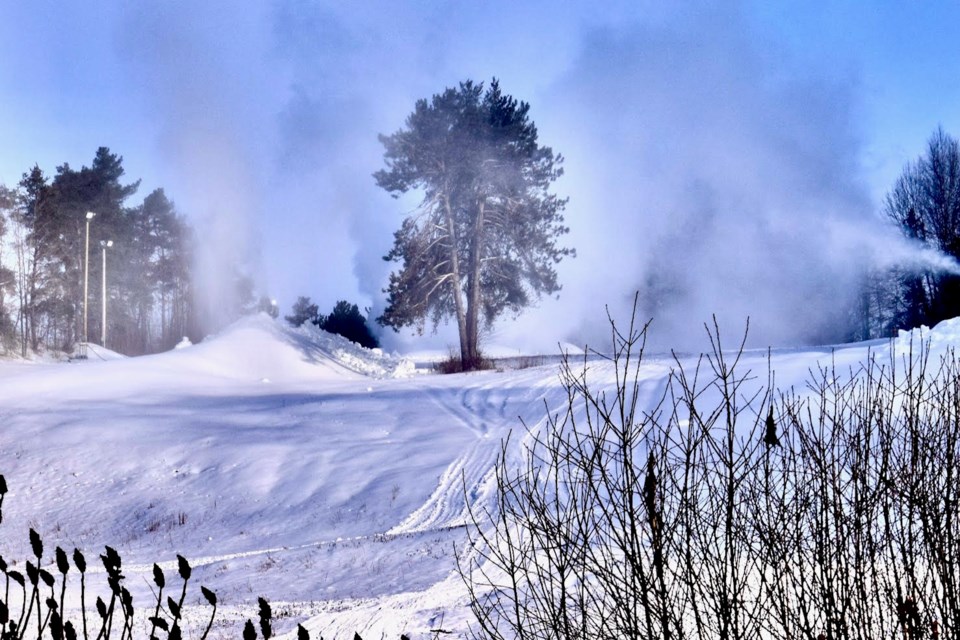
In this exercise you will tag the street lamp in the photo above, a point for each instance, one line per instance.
(103, 326)
(86, 280)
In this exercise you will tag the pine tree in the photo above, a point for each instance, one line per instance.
(7, 275)
(96, 189)
(303, 311)
(347, 321)
(34, 255)
(484, 239)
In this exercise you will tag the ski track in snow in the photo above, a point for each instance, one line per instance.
(446, 507)
(480, 410)
(479, 404)
(483, 409)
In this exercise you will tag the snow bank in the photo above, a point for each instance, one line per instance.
(373, 363)
(943, 336)
(261, 348)
(294, 464)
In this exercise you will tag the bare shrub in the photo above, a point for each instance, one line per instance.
(453, 364)
(714, 507)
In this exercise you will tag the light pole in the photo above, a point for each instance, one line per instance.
(86, 280)
(103, 325)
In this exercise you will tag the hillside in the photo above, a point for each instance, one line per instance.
(289, 464)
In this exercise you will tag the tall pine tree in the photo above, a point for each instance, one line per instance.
(484, 239)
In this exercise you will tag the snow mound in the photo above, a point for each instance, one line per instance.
(373, 363)
(96, 352)
(945, 335)
(261, 348)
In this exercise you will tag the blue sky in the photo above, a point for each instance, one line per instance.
(722, 153)
(901, 58)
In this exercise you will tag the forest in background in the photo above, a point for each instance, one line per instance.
(151, 304)
(44, 235)
(924, 204)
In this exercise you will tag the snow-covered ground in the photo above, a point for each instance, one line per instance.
(289, 464)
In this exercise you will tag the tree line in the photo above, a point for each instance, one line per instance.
(484, 240)
(345, 320)
(47, 242)
(924, 204)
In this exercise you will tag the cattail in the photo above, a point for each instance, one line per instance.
(265, 617)
(63, 565)
(183, 567)
(36, 543)
(249, 632)
(158, 578)
(770, 434)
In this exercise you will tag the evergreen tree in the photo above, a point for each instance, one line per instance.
(96, 189)
(33, 243)
(7, 275)
(172, 254)
(150, 256)
(484, 239)
(347, 321)
(303, 311)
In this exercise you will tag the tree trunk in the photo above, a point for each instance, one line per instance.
(31, 308)
(473, 291)
(22, 288)
(457, 286)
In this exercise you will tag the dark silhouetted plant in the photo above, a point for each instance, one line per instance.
(719, 507)
(42, 610)
(347, 321)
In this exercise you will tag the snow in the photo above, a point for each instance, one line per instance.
(291, 464)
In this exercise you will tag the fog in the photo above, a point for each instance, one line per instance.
(709, 167)
(716, 179)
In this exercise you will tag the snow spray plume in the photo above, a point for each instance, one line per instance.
(929, 259)
(709, 176)
(209, 132)
(884, 247)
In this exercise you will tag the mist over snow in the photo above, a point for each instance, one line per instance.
(201, 93)
(721, 158)
(715, 161)
(712, 177)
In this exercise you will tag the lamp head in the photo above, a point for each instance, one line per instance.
(106, 243)
(90, 215)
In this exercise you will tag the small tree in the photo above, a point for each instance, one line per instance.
(347, 321)
(303, 310)
(484, 238)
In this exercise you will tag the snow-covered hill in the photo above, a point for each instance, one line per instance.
(286, 463)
